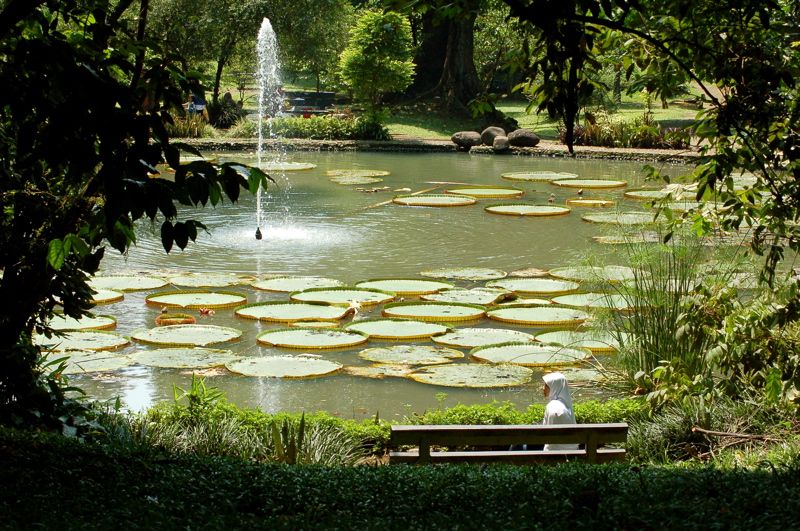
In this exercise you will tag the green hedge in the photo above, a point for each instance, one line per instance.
(317, 128)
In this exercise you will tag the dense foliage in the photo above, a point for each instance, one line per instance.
(318, 128)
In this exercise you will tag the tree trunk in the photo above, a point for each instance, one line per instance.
(459, 82)
(141, 26)
(218, 77)
(430, 56)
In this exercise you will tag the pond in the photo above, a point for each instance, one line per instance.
(316, 227)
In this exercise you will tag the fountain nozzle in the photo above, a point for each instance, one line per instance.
(258, 233)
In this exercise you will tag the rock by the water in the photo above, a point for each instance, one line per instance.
(488, 135)
(500, 144)
(465, 140)
(523, 138)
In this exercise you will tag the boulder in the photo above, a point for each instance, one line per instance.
(500, 144)
(488, 135)
(523, 138)
(465, 140)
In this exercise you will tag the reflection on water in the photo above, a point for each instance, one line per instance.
(315, 227)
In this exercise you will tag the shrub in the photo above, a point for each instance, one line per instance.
(225, 113)
(189, 126)
(644, 132)
(317, 128)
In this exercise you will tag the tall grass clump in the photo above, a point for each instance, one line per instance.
(190, 126)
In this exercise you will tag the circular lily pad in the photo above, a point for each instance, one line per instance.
(357, 173)
(355, 179)
(379, 370)
(396, 328)
(596, 341)
(187, 335)
(314, 324)
(167, 319)
(684, 206)
(593, 300)
(476, 337)
(477, 375)
(290, 284)
(590, 203)
(538, 176)
(209, 280)
(434, 200)
(529, 354)
(495, 192)
(609, 273)
(527, 209)
(581, 376)
(183, 358)
(106, 296)
(526, 300)
(535, 286)
(528, 272)
(434, 311)
(538, 315)
(591, 183)
(82, 340)
(311, 338)
(411, 355)
(646, 195)
(620, 239)
(481, 296)
(344, 295)
(465, 273)
(284, 367)
(127, 283)
(196, 299)
(287, 312)
(405, 286)
(286, 166)
(80, 362)
(97, 322)
(620, 218)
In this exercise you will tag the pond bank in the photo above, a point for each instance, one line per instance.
(546, 148)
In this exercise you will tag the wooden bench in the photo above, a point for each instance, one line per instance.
(425, 437)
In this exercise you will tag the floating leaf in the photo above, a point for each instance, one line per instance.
(591, 183)
(581, 377)
(529, 354)
(209, 280)
(496, 192)
(590, 203)
(353, 179)
(434, 311)
(357, 173)
(620, 218)
(196, 299)
(619, 239)
(593, 300)
(538, 315)
(284, 367)
(82, 340)
(596, 341)
(187, 335)
(609, 273)
(527, 209)
(106, 296)
(286, 166)
(535, 286)
(481, 296)
(475, 337)
(183, 358)
(126, 283)
(528, 272)
(646, 195)
(538, 176)
(411, 355)
(477, 375)
(311, 338)
(434, 200)
(314, 324)
(380, 370)
(96, 322)
(344, 295)
(80, 362)
(405, 286)
(290, 284)
(525, 300)
(465, 273)
(286, 312)
(396, 328)
(167, 319)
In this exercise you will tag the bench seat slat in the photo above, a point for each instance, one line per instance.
(509, 456)
(510, 434)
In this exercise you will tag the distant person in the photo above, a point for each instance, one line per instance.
(197, 105)
(559, 407)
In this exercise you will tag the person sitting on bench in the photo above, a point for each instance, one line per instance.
(559, 407)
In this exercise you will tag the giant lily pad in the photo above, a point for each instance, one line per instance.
(527, 209)
(127, 283)
(311, 338)
(528, 272)
(465, 273)
(344, 295)
(475, 337)
(590, 203)
(593, 300)
(405, 286)
(290, 284)
(591, 183)
(209, 280)
(97, 322)
(356, 173)
(81, 362)
(535, 286)
(82, 340)
(609, 273)
(396, 328)
(379, 370)
(529, 354)
(596, 341)
(183, 358)
(496, 192)
(314, 324)
(477, 375)
(284, 366)
(287, 312)
(538, 176)
(434, 311)
(619, 218)
(434, 200)
(481, 296)
(286, 166)
(107, 296)
(646, 195)
(196, 299)
(355, 179)
(187, 335)
(411, 355)
(538, 315)
(526, 300)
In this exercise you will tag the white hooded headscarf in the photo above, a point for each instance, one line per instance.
(559, 388)
(559, 407)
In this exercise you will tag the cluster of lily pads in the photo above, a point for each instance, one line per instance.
(427, 325)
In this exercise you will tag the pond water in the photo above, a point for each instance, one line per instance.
(316, 227)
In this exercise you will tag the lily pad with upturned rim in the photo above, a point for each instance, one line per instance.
(209, 280)
(476, 337)
(465, 273)
(535, 286)
(286, 166)
(405, 286)
(343, 295)
(379, 370)
(527, 209)
(486, 192)
(532, 315)
(126, 283)
(357, 173)
(80, 362)
(411, 355)
(645, 195)
(609, 273)
(197, 299)
(473, 375)
(187, 335)
(289, 284)
(397, 329)
(591, 183)
(167, 319)
(434, 200)
(538, 176)
(595, 340)
(526, 300)
(95, 340)
(284, 367)
(95, 322)
(528, 272)
(620, 218)
(353, 180)
(529, 354)
(480, 296)
(613, 301)
(107, 296)
(314, 324)
(311, 338)
(183, 358)
(288, 311)
(434, 311)
(588, 202)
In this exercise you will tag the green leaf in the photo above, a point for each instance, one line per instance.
(56, 254)
(166, 235)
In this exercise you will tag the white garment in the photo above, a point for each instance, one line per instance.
(559, 408)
